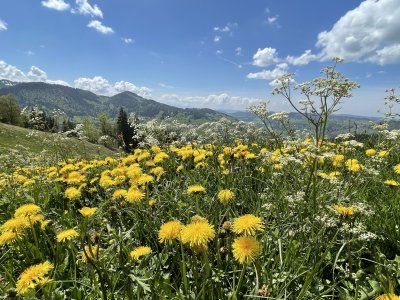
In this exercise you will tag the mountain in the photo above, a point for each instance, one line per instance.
(78, 103)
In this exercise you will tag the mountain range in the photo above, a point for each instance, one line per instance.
(78, 103)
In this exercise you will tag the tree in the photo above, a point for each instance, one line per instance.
(10, 110)
(106, 127)
(125, 132)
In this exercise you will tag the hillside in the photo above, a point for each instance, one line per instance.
(77, 102)
(32, 141)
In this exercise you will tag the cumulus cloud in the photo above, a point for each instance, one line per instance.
(102, 86)
(265, 57)
(272, 20)
(98, 26)
(59, 5)
(303, 59)
(3, 25)
(278, 71)
(36, 74)
(85, 8)
(227, 28)
(217, 38)
(368, 33)
(215, 101)
(128, 40)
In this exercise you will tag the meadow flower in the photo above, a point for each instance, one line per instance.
(66, 235)
(170, 231)
(139, 252)
(144, 179)
(134, 195)
(27, 210)
(90, 252)
(198, 218)
(246, 249)
(152, 202)
(15, 224)
(370, 152)
(157, 171)
(159, 157)
(197, 234)
(8, 237)
(345, 211)
(225, 196)
(383, 153)
(389, 296)
(396, 168)
(88, 211)
(120, 193)
(391, 182)
(247, 225)
(72, 193)
(195, 189)
(33, 276)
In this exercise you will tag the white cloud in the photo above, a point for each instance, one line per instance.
(166, 86)
(272, 20)
(102, 86)
(369, 32)
(59, 82)
(217, 38)
(3, 25)
(85, 8)
(128, 40)
(227, 28)
(214, 101)
(303, 59)
(59, 5)
(238, 51)
(265, 57)
(11, 72)
(98, 26)
(279, 70)
(36, 74)
(219, 52)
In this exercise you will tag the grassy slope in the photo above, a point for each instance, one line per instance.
(13, 137)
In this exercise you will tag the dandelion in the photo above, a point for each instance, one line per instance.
(383, 153)
(88, 211)
(195, 189)
(246, 249)
(389, 296)
(370, 152)
(391, 182)
(225, 196)
(247, 225)
(33, 276)
(152, 202)
(66, 235)
(90, 252)
(15, 224)
(72, 193)
(134, 195)
(145, 179)
(8, 237)
(170, 231)
(120, 193)
(197, 219)
(345, 211)
(27, 210)
(139, 252)
(396, 169)
(197, 234)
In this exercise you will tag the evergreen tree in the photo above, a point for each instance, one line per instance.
(124, 131)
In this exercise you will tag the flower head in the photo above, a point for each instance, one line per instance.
(170, 231)
(197, 234)
(345, 211)
(120, 193)
(15, 224)
(139, 252)
(72, 193)
(246, 249)
(8, 237)
(225, 196)
(27, 210)
(88, 211)
(90, 252)
(65, 235)
(389, 296)
(247, 225)
(195, 189)
(134, 195)
(33, 276)
(391, 182)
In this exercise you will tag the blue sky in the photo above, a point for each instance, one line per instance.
(220, 54)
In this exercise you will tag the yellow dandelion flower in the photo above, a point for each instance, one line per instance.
(225, 196)
(247, 225)
(33, 276)
(152, 202)
(246, 249)
(345, 211)
(201, 165)
(250, 156)
(197, 188)
(197, 219)
(159, 157)
(337, 160)
(120, 193)
(170, 231)
(66, 235)
(8, 237)
(15, 224)
(383, 153)
(391, 182)
(75, 178)
(72, 193)
(370, 152)
(158, 171)
(27, 210)
(88, 211)
(145, 179)
(389, 296)
(179, 168)
(90, 252)
(134, 195)
(197, 234)
(396, 169)
(138, 252)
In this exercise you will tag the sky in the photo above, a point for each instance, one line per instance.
(221, 54)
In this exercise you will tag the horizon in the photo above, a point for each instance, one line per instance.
(202, 54)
